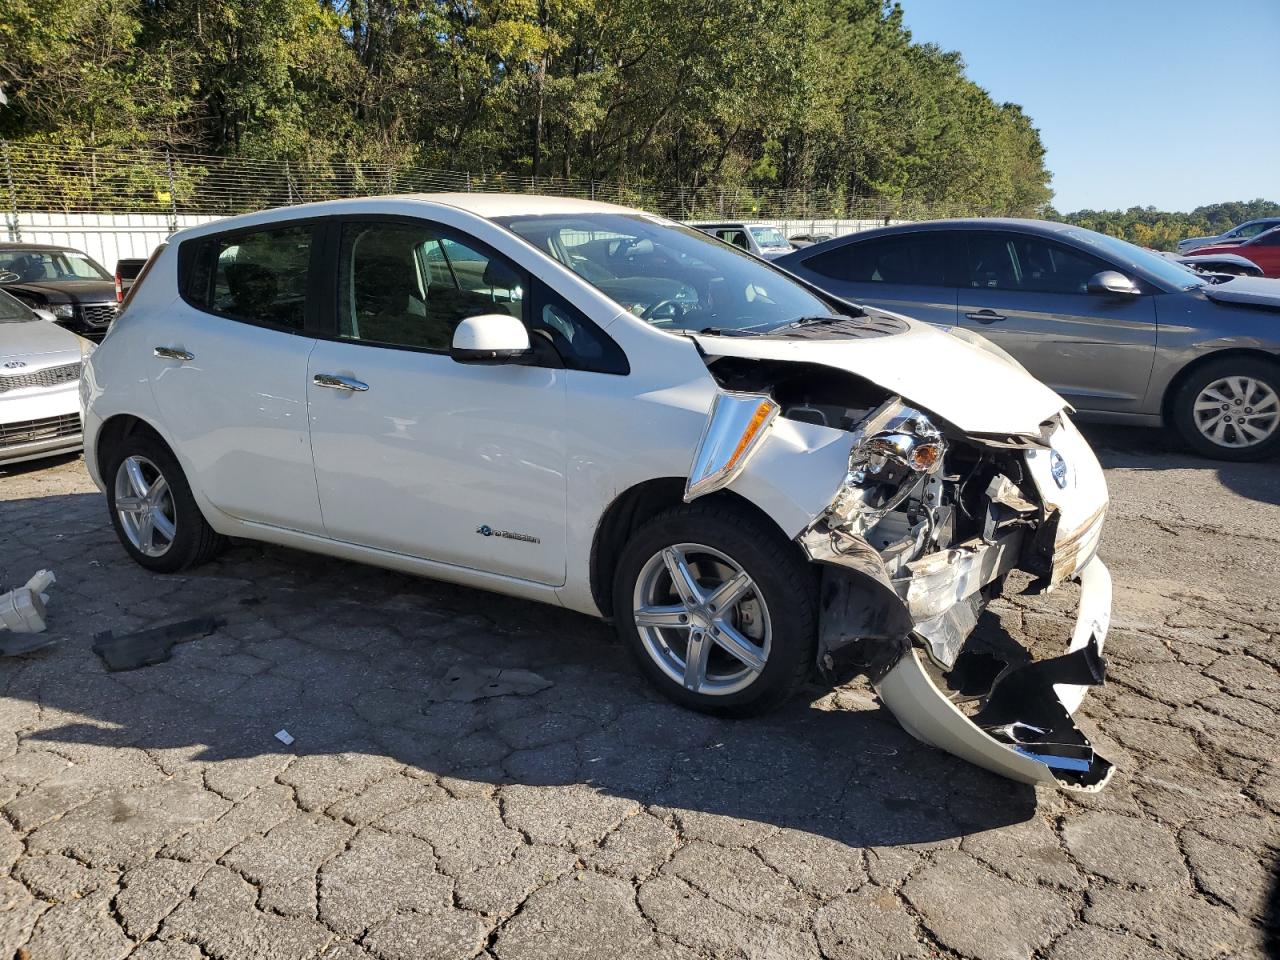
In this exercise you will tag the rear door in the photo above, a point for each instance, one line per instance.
(909, 273)
(229, 373)
(1028, 294)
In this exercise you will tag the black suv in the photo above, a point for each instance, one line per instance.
(79, 293)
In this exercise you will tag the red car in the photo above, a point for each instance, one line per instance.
(1264, 250)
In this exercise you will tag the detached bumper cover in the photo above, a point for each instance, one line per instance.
(931, 717)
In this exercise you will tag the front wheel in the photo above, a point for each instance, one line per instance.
(1229, 409)
(718, 609)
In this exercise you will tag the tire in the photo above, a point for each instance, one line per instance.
(776, 615)
(1247, 387)
(193, 541)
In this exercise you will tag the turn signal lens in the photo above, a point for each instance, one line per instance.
(754, 425)
(925, 457)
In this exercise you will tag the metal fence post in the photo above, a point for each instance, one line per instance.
(288, 179)
(11, 216)
(173, 192)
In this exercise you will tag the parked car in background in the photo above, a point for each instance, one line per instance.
(595, 407)
(1124, 334)
(1237, 234)
(39, 383)
(67, 283)
(1231, 264)
(763, 241)
(127, 270)
(1264, 250)
(799, 240)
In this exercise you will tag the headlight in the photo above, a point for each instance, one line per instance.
(897, 449)
(63, 311)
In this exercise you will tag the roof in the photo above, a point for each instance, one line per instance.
(50, 247)
(491, 205)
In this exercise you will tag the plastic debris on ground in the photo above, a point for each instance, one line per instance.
(22, 613)
(464, 684)
(285, 737)
(151, 646)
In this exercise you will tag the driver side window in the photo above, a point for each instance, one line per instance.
(410, 285)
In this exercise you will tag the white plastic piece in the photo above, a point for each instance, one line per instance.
(23, 610)
(284, 737)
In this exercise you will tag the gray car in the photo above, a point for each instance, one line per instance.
(1237, 234)
(1125, 335)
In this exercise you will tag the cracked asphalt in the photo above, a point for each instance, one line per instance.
(152, 814)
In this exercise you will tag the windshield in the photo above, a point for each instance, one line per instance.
(1134, 257)
(24, 266)
(673, 277)
(769, 237)
(13, 311)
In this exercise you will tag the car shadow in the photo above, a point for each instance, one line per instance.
(1141, 448)
(353, 660)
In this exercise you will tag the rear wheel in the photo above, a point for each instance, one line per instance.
(1229, 409)
(152, 509)
(718, 609)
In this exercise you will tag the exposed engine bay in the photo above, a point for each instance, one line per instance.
(918, 538)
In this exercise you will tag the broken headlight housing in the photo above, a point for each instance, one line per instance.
(897, 450)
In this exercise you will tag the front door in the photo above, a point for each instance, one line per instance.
(230, 374)
(1028, 294)
(416, 453)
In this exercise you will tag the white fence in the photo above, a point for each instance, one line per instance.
(110, 237)
(103, 236)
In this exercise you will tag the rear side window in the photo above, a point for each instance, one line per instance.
(918, 259)
(258, 277)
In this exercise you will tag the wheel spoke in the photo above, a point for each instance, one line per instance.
(146, 530)
(130, 504)
(663, 616)
(136, 480)
(695, 660)
(164, 525)
(159, 487)
(728, 594)
(682, 578)
(738, 646)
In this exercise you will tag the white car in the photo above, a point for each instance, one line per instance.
(758, 238)
(39, 377)
(590, 406)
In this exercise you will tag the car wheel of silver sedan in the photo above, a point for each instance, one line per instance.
(717, 607)
(1229, 409)
(144, 506)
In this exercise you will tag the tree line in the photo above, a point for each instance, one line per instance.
(824, 95)
(1162, 229)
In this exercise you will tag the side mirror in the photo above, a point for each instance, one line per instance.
(1111, 283)
(490, 338)
(44, 314)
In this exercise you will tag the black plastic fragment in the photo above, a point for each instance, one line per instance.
(20, 644)
(150, 646)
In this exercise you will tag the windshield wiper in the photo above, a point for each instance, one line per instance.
(811, 321)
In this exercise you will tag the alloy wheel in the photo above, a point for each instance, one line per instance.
(1237, 412)
(702, 619)
(144, 506)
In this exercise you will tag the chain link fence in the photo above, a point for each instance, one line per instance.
(61, 180)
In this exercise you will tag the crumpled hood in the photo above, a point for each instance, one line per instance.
(965, 385)
(1252, 291)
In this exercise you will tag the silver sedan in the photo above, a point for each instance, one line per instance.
(1125, 335)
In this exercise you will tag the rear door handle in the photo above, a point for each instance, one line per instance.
(984, 316)
(173, 353)
(337, 382)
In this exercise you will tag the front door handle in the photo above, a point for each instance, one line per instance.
(337, 382)
(173, 353)
(984, 316)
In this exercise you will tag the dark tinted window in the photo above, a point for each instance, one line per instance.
(259, 277)
(737, 237)
(916, 258)
(1012, 261)
(1269, 239)
(580, 344)
(409, 285)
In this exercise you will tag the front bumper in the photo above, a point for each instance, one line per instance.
(930, 716)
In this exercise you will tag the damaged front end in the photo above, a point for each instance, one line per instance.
(920, 535)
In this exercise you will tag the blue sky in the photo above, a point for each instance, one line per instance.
(1164, 102)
